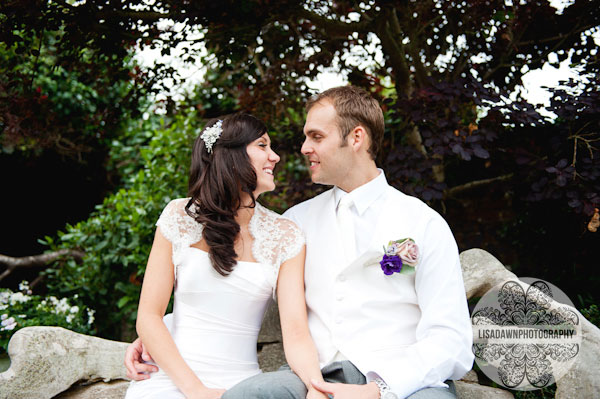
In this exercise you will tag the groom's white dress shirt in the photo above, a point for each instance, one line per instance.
(413, 330)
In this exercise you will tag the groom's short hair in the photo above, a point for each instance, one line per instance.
(354, 106)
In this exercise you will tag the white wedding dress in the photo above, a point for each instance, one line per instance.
(216, 319)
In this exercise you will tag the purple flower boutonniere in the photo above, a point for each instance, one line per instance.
(401, 256)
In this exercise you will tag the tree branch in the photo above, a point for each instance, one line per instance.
(516, 43)
(146, 16)
(259, 67)
(459, 66)
(27, 262)
(560, 37)
(333, 27)
(420, 73)
(143, 15)
(477, 183)
(65, 4)
(393, 47)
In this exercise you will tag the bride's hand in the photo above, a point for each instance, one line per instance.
(207, 393)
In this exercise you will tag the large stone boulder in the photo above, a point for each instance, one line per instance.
(583, 380)
(270, 331)
(470, 390)
(46, 361)
(482, 271)
(99, 390)
(270, 342)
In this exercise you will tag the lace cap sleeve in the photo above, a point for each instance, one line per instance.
(178, 227)
(277, 239)
(170, 220)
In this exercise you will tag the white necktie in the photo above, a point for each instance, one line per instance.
(346, 225)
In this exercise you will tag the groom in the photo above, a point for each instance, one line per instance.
(377, 335)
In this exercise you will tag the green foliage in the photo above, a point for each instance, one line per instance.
(21, 309)
(544, 393)
(48, 103)
(117, 237)
(592, 313)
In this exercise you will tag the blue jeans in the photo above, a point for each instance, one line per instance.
(285, 384)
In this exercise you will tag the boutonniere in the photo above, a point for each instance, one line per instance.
(400, 256)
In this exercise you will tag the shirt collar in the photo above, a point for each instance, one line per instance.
(365, 195)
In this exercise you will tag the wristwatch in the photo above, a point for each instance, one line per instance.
(384, 390)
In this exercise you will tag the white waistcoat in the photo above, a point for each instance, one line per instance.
(374, 319)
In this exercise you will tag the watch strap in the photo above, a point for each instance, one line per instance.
(384, 389)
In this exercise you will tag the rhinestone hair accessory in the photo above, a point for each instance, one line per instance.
(211, 134)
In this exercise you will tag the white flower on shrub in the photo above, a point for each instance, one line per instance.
(18, 297)
(24, 287)
(90, 313)
(8, 324)
(62, 306)
(59, 307)
(41, 311)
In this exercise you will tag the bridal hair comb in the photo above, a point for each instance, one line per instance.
(211, 134)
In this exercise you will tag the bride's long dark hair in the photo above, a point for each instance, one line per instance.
(216, 181)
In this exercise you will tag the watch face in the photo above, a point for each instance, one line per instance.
(389, 395)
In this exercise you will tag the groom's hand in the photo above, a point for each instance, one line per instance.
(313, 393)
(348, 391)
(135, 355)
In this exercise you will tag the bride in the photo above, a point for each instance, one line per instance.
(226, 256)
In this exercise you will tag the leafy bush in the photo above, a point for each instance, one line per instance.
(52, 102)
(544, 393)
(117, 236)
(21, 309)
(592, 313)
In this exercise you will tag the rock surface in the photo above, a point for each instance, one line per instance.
(270, 330)
(583, 380)
(271, 357)
(482, 271)
(470, 390)
(51, 362)
(46, 361)
(99, 390)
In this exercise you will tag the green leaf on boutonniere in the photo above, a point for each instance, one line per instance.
(407, 270)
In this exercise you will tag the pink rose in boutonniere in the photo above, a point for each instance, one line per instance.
(401, 256)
